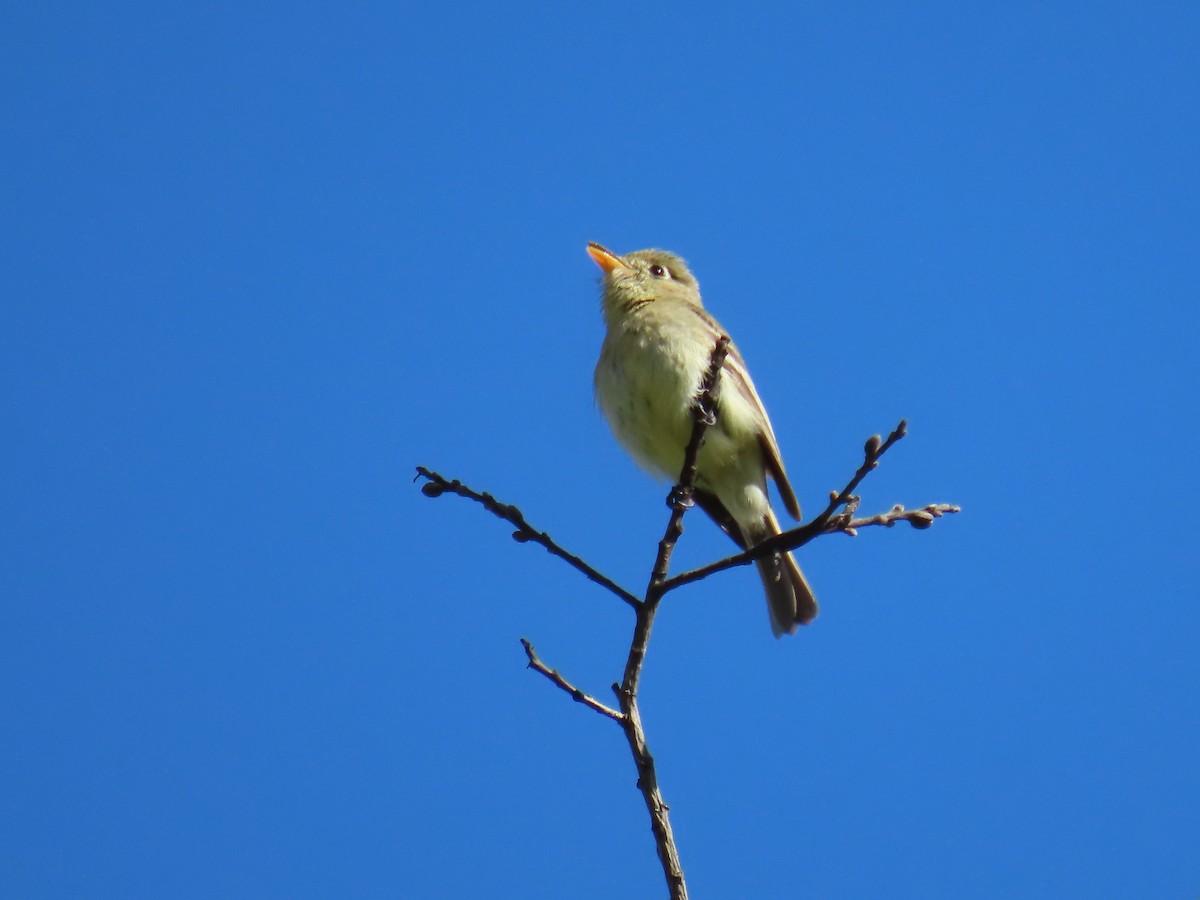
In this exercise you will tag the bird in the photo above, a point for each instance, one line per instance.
(658, 345)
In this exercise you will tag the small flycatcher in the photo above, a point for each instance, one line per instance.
(657, 348)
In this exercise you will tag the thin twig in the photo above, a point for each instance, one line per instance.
(576, 694)
(873, 451)
(680, 500)
(917, 518)
(436, 485)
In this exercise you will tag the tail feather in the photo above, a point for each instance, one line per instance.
(790, 601)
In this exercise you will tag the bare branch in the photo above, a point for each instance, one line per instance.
(917, 518)
(873, 451)
(436, 485)
(680, 501)
(629, 717)
(576, 694)
(837, 517)
(647, 783)
(825, 523)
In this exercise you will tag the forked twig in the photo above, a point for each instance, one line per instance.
(828, 521)
(576, 694)
(837, 517)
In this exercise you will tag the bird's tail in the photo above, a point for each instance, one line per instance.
(790, 600)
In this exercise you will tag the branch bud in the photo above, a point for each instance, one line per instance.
(432, 489)
(871, 447)
(920, 519)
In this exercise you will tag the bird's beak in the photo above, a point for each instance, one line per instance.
(605, 259)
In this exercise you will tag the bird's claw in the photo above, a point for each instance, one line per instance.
(679, 499)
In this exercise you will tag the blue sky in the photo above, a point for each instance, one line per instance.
(259, 262)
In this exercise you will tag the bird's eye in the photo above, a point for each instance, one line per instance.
(660, 271)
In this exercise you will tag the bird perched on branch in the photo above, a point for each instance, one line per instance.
(656, 351)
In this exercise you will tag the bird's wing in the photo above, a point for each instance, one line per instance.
(735, 367)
